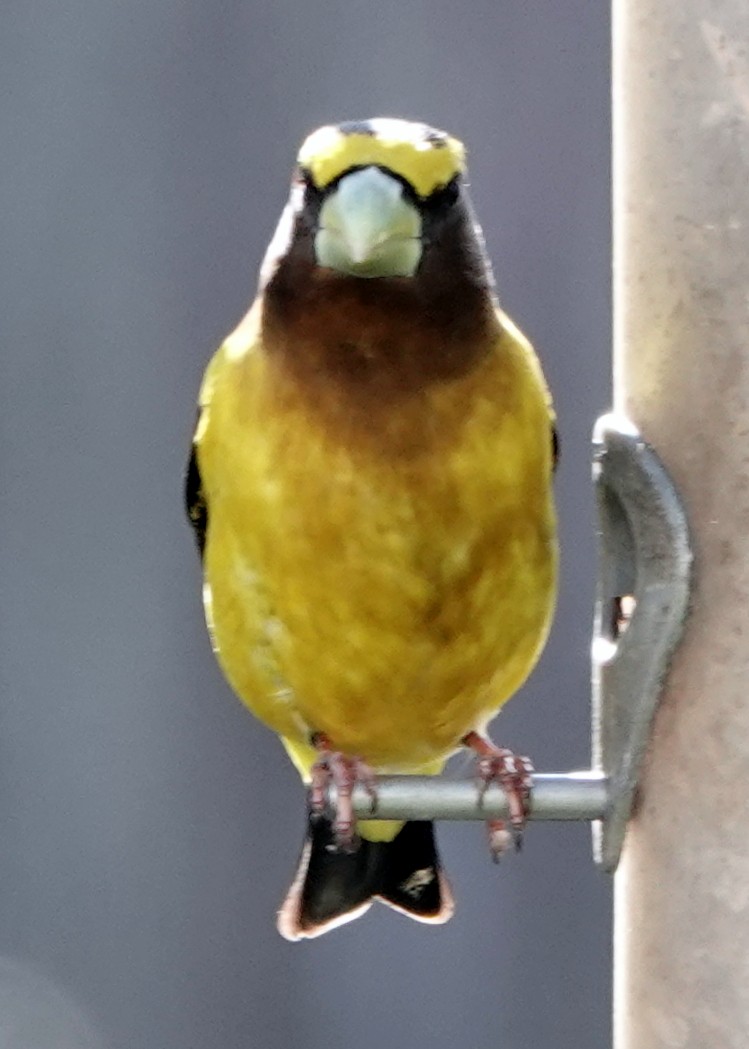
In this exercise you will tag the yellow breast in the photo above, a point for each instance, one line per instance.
(391, 590)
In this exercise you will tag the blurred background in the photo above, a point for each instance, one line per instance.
(148, 826)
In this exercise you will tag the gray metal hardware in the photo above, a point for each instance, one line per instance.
(556, 796)
(645, 563)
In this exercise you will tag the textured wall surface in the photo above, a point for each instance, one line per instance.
(683, 375)
(148, 827)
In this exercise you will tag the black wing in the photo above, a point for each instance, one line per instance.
(195, 501)
(555, 447)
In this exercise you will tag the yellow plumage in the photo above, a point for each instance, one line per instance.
(327, 152)
(393, 594)
(375, 458)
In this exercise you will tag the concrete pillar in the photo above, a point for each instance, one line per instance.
(681, 276)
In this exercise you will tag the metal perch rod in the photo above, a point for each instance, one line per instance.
(556, 796)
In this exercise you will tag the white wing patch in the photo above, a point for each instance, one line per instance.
(415, 883)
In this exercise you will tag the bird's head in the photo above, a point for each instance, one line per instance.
(374, 186)
(371, 199)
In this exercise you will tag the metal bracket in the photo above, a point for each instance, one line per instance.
(645, 563)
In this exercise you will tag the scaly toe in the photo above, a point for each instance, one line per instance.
(343, 772)
(514, 774)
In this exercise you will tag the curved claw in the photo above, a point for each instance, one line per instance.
(500, 839)
(344, 773)
(514, 774)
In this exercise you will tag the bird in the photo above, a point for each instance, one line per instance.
(370, 486)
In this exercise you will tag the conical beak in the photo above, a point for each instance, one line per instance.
(368, 229)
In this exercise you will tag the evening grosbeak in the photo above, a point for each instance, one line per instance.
(370, 486)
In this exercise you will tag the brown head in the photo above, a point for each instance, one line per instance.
(377, 274)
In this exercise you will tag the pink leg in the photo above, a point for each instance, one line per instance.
(344, 773)
(515, 775)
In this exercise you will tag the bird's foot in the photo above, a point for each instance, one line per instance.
(514, 774)
(344, 772)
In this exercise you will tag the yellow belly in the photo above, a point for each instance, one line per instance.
(391, 592)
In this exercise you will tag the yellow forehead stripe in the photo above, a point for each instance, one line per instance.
(396, 145)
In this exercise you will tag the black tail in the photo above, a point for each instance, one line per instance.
(333, 887)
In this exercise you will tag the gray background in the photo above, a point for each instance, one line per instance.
(148, 826)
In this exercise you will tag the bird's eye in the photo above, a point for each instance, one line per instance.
(303, 189)
(443, 198)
